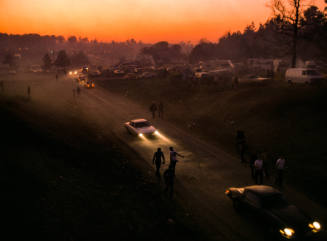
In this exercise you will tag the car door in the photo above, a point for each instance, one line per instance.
(252, 203)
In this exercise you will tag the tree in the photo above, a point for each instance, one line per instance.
(72, 39)
(10, 60)
(79, 58)
(46, 62)
(291, 11)
(62, 59)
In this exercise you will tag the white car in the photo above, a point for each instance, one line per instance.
(140, 127)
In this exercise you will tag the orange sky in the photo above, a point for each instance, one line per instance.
(146, 20)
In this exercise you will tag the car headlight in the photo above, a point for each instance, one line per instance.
(315, 226)
(156, 132)
(140, 135)
(287, 232)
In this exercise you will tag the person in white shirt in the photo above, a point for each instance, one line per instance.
(280, 166)
(258, 167)
(173, 157)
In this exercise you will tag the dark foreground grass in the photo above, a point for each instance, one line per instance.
(277, 119)
(59, 181)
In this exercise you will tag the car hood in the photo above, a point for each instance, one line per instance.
(292, 217)
(146, 130)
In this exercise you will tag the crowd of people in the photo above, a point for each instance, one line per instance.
(258, 162)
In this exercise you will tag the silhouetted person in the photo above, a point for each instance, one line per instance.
(253, 158)
(56, 76)
(161, 110)
(280, 167)
(236, 81)
(78, 90)
(169, 177)
(29, 92)
(2, 87)
(157, 159)
(173, 157)
(264, 157)
(240, 144)
(258, 166)
(153, 109)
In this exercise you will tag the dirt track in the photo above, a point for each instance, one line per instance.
(202, 176)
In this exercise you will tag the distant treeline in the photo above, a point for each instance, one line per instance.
(270, 40)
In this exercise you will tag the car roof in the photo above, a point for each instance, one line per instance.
(262, 190)
(139, 120)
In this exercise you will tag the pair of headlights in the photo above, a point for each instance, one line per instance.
(156, 133)
(288, 232)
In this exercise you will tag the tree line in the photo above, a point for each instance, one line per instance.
(290, 33)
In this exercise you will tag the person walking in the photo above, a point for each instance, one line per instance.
(280, 167)
(173, 157)
(153, 109)
(56, 76)
(161, 110)
(253, 158)
(240, 144)
(258, 167)
(169, 177)
(158, 159)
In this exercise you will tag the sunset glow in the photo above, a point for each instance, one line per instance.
(144, 20)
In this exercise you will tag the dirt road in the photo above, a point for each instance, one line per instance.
(202, 176)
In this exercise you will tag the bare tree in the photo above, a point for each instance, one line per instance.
(290, 11)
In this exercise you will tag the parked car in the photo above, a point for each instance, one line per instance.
(140, 127)
(303, 75)
(268, 205)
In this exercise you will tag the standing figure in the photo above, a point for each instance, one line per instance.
(240, 144)
(253, 158)
(29, 92)
(161, 110)
(56, 76)
(173, 157)
(258, 167)
(157, 157)
(280, 167)
(78, 90)
(2, 86)
(153, 109)
(169, 177)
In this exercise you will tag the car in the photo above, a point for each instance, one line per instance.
(267, 204)
(140, 127)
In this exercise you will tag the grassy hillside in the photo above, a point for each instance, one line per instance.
(276, 118)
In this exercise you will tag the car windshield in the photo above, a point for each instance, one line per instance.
(274, 201)
(142, 124)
